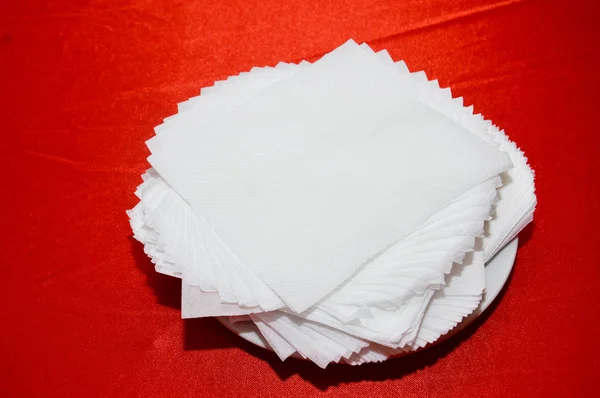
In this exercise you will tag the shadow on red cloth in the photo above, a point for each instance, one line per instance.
(208, 333)
(526, 234)
(166, 288)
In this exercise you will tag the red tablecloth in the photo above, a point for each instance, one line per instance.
(83, 83)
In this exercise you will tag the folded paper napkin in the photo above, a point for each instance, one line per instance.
(346, 207)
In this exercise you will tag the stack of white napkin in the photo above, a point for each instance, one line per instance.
(346, 207)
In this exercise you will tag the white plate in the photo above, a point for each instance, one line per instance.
(497, 271)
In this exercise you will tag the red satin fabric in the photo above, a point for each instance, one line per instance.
(82, 84)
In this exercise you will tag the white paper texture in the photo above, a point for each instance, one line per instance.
(269, 192)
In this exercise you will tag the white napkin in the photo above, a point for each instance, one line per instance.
(303, 194)
(300, 181)
(460, 297)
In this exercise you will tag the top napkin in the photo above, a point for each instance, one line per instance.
(315, 175)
